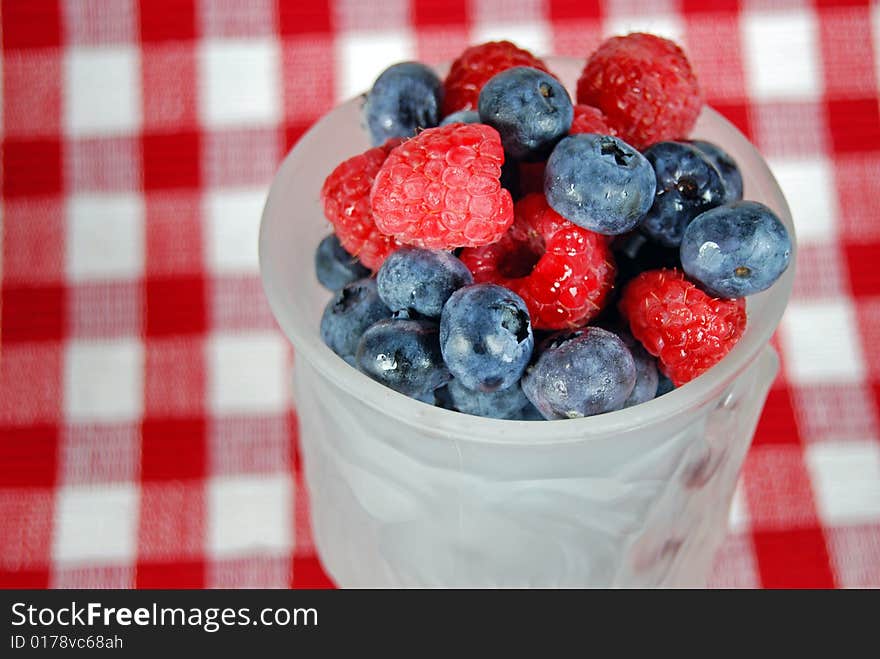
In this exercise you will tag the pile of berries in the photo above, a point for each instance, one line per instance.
(505, 252)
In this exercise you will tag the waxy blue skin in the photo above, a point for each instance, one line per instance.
(736, 250)
(529, 108)
(664, 386)
(647, 375)
(421, 280)
(335, 267)
(403, 355)
(461, 117)
(502, 404)
(405, 98)
(687, 185)
(581, 373)
(599, 182)
(726, 166)
(348, 314)
(486, 336)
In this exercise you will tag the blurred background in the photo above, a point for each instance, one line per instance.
(147, 436)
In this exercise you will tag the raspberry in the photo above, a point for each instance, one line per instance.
(645, 86)
(563, 272)
(687, 330)
(588, 119)
(346, 199)
(475, 66)
(440, 189)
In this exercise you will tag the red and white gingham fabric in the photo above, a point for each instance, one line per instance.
(146, 433)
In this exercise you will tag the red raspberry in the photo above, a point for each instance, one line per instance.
(588, 119)
(346, 199)
(475, 66)
(441, 189)
(645, 86)
(563, 272)
(686, 329)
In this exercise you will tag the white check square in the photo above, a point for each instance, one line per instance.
(821, 342)
(362, 56)
(781, 57)
(103, 380)
(535, 35)
(239, 82)
(808, 185)
(846, 480)
(247, 373)
(96, 523)
(250, 515)
(663, 25)
(105, 238)
(233, 229)
(102, 90)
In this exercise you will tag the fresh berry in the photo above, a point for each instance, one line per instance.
(563, 273)
(736, 250)
(645, 86)
(581, 373)
(687, 185)
(502, 404)
(348, 314)
(440, 189)
(529, 108)
(346, 199)
(664, 386)
(403, 355)
(476, 66)
(421, 280)
(404, 99)
(686, 329)
(647, 376)
(726, 166)
(599, 182)
(335, 267)
(588, 119)
(486, 336)
(462, 117)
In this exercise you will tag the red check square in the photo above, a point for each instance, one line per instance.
(173, 449)
(31, 23)
(167, 20)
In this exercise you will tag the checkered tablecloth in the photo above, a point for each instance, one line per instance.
(146, 432)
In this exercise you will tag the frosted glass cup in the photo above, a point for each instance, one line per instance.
(405, 494)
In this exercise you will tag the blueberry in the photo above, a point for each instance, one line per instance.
(531, 413)
(486, 336)
(581, 373)
(502, 404)
(348, 314)
(664, 386)
(529, 108)
(726, 166)
(647, 375)
(599, 182)
(461, 117)
(735, 250)
(687, 185)
(334, 266)
(421, 280)
(403, 355)
(404, 99)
